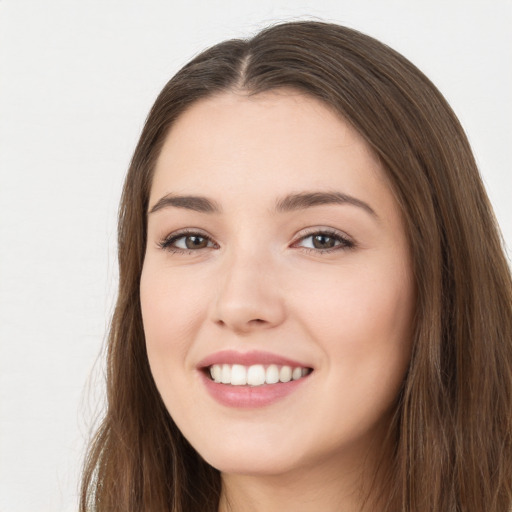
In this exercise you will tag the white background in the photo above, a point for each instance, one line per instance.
(77, 79)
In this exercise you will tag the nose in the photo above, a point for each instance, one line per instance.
(248, 297)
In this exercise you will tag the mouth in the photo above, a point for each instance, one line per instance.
(255, 375)
(249, 380)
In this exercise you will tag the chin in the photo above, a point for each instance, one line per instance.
(248, 465)
(267, 450)
(254, 459)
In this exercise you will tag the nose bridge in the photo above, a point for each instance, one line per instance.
(248, 296)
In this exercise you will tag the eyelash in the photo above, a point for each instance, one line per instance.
(344, 243)
(167, 242)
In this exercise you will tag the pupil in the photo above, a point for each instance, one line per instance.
(323, 242)
(195, 242)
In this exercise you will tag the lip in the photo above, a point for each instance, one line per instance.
(248, 359)
(249, 396)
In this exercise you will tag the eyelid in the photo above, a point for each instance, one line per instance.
(346, 241)
(167, 241)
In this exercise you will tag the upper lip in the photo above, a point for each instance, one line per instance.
(248, 359)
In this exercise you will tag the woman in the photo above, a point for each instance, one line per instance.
(314, 309)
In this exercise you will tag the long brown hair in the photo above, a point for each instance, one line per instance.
(453, 422)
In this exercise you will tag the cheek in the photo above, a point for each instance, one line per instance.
(362, 319)
(358, 299)
(170, 319)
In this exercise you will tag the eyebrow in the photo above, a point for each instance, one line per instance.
(195, 203)
(309, 199)
(291, 202)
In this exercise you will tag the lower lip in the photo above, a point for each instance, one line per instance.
(250, 396)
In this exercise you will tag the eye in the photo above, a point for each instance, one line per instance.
(186, 241)
(324, 241)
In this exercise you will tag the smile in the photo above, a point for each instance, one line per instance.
(256, 374)
(252, 379)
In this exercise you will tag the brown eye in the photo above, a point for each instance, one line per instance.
(195, 242)
(183, 242)
(322, 241)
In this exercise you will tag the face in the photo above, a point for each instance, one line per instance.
(277, 293)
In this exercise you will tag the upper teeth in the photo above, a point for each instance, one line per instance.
(255, 375)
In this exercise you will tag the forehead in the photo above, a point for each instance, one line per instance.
(276, 141)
